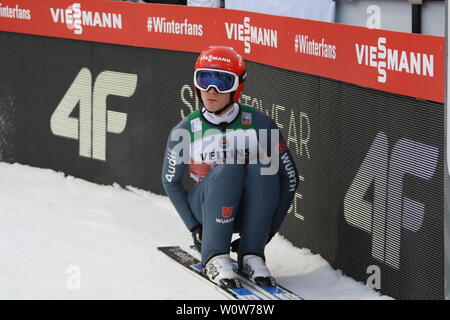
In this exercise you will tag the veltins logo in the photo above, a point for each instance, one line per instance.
(250, 34)
(386, 59)
(75, 18)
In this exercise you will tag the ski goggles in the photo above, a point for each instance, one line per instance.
(222, 81)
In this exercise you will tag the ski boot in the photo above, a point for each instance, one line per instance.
(255, 268)
(219, 269)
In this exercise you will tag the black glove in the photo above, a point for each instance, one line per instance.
(270, 236)
(235, 244)
(197, 237)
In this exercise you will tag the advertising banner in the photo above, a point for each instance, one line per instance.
(402, 63)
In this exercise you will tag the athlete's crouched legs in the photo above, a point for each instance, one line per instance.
(257, 207)
(215, 203)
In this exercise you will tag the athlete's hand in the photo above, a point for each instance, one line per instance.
(234, 245)
(197, 237)
(270, 236)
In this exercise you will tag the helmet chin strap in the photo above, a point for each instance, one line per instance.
(231, 102)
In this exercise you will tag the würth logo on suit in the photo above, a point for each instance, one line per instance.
(227, 212)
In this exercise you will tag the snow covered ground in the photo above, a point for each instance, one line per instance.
(66, 238)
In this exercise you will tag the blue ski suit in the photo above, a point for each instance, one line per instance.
(232, 194)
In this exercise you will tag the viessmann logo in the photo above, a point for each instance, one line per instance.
(75, 18)
(387, 59)
(211, 58)
(250, 34)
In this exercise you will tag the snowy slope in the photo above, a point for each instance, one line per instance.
(51, 225)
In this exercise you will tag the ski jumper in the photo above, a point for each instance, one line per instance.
(231, 194)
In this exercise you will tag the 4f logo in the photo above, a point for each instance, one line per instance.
(94, 119)
(390, 211)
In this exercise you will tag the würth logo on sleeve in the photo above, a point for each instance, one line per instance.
(75, 18)
(281, 146)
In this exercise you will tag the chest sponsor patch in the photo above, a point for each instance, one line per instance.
(196, 125)
(246, 118)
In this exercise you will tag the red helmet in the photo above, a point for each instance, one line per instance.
(224, 59)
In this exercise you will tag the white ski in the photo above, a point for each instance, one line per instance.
(272, 293)
(194, 266)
